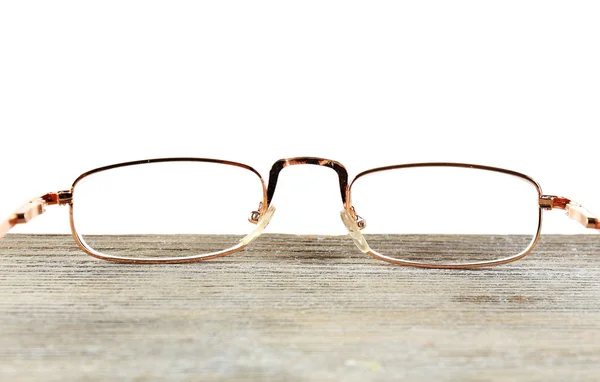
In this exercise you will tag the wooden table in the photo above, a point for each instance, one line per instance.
(297, 308)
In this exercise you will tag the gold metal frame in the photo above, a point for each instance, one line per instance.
(255, 216)
(265, 210)
(478, 264)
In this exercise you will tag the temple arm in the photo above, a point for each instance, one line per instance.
(574, 210)
(33, 208)
(583, 216)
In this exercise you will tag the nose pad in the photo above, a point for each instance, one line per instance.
(262, 223)
(354, 231)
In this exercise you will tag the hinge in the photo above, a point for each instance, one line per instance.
(33, 208)
(59, 197)
(574, 210)
(548, 202)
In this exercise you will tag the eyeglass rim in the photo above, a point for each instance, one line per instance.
(82, 244)
(477, 264)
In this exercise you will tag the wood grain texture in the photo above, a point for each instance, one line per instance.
(297, 308)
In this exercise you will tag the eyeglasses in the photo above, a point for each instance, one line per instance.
(434, 215)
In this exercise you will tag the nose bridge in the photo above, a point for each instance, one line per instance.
(282, 163)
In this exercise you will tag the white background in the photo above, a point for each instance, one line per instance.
(514, 84)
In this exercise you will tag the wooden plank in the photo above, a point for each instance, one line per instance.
(297, 308)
